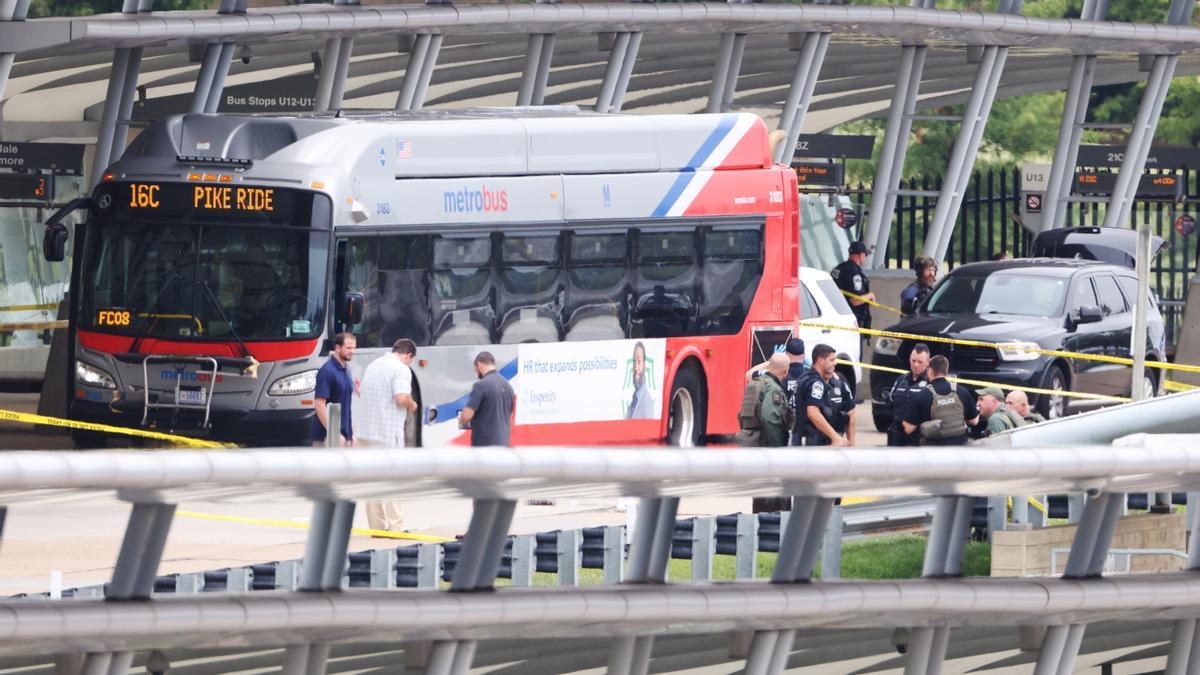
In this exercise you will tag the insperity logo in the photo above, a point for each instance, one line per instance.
(468, 200)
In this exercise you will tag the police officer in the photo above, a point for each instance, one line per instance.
(942, 411)
(1018, 402)
(850, 277)
(997, 417)
(828, 402)
(904, 389)
(774, 412)
(915, 293)
(766, 416)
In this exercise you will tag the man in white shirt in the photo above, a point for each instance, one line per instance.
(386, 402)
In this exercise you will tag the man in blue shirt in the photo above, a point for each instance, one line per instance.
(335, 384)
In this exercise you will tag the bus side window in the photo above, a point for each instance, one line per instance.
(729, 277)
(462, 290)
(665, 283)
(598, 291)
(528, 306)
(403, 289)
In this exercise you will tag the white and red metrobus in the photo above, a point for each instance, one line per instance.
(221, 254)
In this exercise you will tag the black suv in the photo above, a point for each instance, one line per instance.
(1046, 303)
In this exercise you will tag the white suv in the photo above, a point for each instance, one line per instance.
(822, 303)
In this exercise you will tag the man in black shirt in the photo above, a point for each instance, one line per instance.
(826, 403)
(490, 405)
(850, 278)
(942, 411)
(903, 391)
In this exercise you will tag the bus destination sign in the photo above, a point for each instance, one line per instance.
(205, 200)
(207, 197)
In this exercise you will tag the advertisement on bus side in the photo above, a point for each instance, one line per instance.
(590, 381)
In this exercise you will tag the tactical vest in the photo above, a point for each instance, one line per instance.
(945, 417)
(749, 429)
(1017, 420)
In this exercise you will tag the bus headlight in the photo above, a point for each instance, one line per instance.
(93, 377)
(1018, 351)
(294, 385)
(888, 346)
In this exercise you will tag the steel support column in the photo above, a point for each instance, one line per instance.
(612, 72)
(1066, 148)
(1088, 553)
(799, 544)
(19, 9)
(966, 145)
(627, 63)
(1141, 134)
(648, 557)
(533, 58)
(427, 66)
(478, 563)
(943, 557)
(329, 68)
(543, 71)
(808, 69)
(134, 572)
(725, 73)
(412, 72)
(890, 168)
(1184, 655)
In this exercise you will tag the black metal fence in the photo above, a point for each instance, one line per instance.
(989, 223)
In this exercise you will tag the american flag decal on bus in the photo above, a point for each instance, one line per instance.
(404, 149)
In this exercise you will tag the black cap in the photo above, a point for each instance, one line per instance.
(795, 347)
(858, 247)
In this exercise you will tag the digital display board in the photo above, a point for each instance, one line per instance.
(200, 200)
(818, 174)
(1103, 183)
(27, 186)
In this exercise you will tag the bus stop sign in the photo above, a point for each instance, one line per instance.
(846, 218)
(1185, 224)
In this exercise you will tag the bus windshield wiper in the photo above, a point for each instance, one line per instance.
(250, 370)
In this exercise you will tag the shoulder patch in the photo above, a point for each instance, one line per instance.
(922, 384)
(818, 389)
(777, 398)
(858, 282)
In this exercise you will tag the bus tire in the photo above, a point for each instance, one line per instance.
(89, 440)
(686, 408)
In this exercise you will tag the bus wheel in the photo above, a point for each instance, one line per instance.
(685, 424)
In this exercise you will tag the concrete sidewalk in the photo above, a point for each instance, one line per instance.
(81, 540)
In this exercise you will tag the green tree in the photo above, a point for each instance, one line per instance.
(44, 8)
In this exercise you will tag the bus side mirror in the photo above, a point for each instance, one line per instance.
(54, 241)
(350, 309)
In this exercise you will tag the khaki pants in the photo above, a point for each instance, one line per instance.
(382, 515)
(385, 516)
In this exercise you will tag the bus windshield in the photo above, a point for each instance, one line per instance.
(181, 281)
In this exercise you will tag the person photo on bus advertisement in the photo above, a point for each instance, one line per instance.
(642, 405)
(335, 384)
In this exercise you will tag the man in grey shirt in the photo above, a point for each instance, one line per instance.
(489, 408)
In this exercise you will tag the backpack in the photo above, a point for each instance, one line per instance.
(945, 417)
(749, 433)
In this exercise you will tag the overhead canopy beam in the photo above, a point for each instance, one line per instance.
(56, 35)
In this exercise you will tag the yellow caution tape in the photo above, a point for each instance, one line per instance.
(30, 418)
(304, 526)
(995, 345)
(984, 383)
(872, 303)
(34, 325)
(28, 308)
(1032, 502)
(1172, 385)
